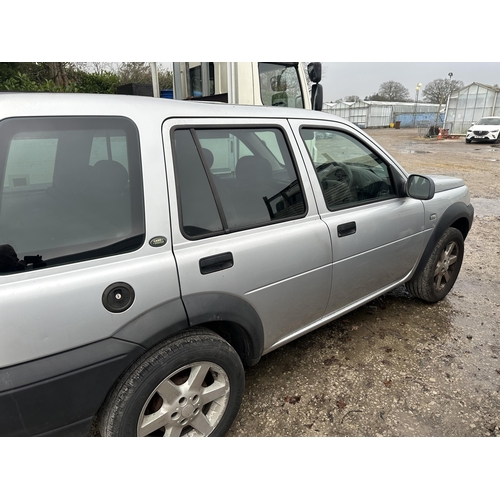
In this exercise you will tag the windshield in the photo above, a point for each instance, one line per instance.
(493, 120)
(280, 85)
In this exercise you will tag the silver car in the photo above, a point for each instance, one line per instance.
(151, 249)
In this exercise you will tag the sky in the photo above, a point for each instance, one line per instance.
(341, 79)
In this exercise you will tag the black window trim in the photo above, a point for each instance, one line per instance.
(193, 127)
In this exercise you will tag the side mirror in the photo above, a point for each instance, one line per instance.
(314, 71)
(420, 187)
(317, 97)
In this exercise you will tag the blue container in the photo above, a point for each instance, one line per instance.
(167, 94)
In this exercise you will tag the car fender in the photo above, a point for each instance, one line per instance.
(458, 215)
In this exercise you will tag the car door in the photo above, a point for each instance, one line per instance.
(245, 229)
(376, 234)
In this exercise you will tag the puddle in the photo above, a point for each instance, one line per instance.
(411, 151)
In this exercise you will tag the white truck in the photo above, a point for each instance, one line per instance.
(254, 83)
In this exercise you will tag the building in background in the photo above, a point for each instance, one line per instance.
(370, 114)
(469, 104)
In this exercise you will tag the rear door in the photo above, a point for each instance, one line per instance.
(244, 222)
(376, 236)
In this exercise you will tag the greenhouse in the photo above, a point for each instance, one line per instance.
(469, 104)
(367, 114)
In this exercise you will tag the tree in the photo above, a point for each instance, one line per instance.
(391, 91)
(351, 98)
(95, 78)
(140, 72)
(374, 97)
(439, 89)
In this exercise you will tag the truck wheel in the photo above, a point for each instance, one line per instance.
(441, 270)
(190, 385)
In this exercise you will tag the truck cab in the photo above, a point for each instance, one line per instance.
(281, 84)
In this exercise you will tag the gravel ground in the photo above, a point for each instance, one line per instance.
(398, 366)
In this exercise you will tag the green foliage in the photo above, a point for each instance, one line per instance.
(22, 82)
(77, 77)
(94, 83)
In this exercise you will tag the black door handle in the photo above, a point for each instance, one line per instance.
(216, 263)
(346, 229)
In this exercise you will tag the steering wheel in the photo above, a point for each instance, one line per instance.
(341, 173)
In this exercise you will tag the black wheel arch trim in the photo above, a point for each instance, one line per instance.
(230, 316)
(155, 325)
(217, 310)
(456, 212)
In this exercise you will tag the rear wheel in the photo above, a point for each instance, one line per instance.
(441, 270)
(191, 385)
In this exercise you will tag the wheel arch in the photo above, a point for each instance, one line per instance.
(230, 317)
(460, 216)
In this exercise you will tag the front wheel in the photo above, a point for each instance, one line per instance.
(468, 141)
(441, 270)
(190, 385)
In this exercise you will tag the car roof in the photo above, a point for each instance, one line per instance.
(64, 104)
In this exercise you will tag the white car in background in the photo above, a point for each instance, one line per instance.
(487, 129)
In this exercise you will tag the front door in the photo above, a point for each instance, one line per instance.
(376, 235)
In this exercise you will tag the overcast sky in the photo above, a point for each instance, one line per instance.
(341, 79)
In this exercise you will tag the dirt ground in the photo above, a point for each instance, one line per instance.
(398, 366)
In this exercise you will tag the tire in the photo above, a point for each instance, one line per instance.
(441, 270)
(190, 385)
(468, 141)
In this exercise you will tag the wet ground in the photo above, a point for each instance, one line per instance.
(399, 366)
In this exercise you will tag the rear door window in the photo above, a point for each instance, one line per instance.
(70, 190)
(235, 178)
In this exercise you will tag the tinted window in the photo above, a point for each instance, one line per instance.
(348, 171)
(70, 190)
(231, 179)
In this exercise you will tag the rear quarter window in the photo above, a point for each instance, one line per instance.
(70, 190)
